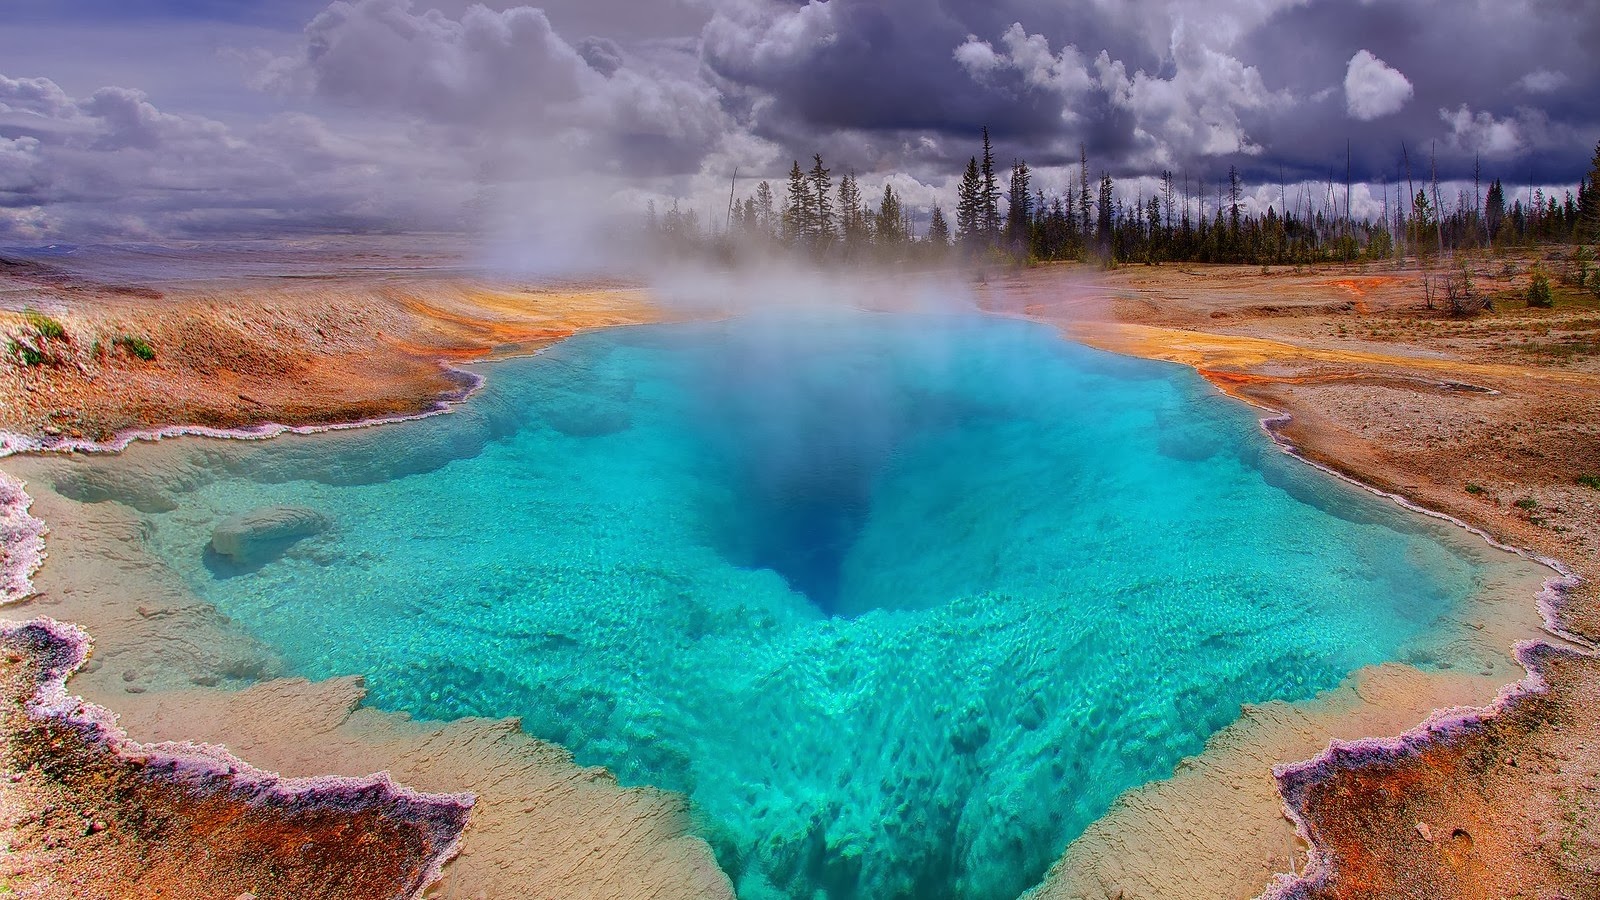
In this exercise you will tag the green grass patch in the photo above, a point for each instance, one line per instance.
(1559, 350)
(24, 354)
(1476, 489)
(1527, 503)
(1592, 481)
(138, 346)
(44, 326)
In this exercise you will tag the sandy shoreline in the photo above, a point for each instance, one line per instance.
(651, 839)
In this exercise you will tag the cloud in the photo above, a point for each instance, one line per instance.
(1372, 89)
(112, 164)
(1029, 58)
(504, 75)
(1199, 110)
(978, 57)
(482, 67)
(1481, 132)
(389, 113)
(1543, 81)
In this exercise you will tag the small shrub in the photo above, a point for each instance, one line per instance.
(1539, 291)
(1476, 488)
(28, 356)
(1592, 481)
(1527, 503)
(138, 346)
(44, 326)
(1459, 294)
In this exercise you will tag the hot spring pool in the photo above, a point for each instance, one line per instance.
(901, 602)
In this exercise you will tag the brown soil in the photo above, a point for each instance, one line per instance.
(292, 352)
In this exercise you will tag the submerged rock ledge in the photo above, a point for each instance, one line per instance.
(105, 800)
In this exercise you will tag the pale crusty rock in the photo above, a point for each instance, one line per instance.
(261, 534)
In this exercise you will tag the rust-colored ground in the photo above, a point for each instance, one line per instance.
(1506, 810)
(289, 351)
(80, 819)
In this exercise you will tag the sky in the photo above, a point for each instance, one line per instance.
(169, 119)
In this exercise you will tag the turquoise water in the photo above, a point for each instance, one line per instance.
(901, 602)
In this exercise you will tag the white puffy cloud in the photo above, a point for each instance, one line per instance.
(1373, 89)
(1028, 56)
(1543, 81)
(1481, 132)
(978, 57)
(1198, 110)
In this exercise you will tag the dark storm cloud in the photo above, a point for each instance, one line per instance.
(1267, 86)
(896, 70)
(1140, 84)
(1510, 83)
(278, 12)
(397, 114)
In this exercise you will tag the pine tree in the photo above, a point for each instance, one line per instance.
(889, 224)
(991, 193)
(766, 215)
(1233, 197)
(1083, 191)
(1152, 211)
(798, 217)
(1494, 208)
(821, 184)
(1106, 219)
(938, 230)
(969, 204)
(1590, 217)
(852, 218)
(1422, 216)
(1019, 207)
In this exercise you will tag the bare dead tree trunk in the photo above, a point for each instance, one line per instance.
(1477, 198)
(1411, 194)
(1386, 204)
(1348, 212)
(1438, 212)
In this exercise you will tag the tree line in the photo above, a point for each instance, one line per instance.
(833, 220)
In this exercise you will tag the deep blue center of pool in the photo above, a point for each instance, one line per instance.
(901, 603)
